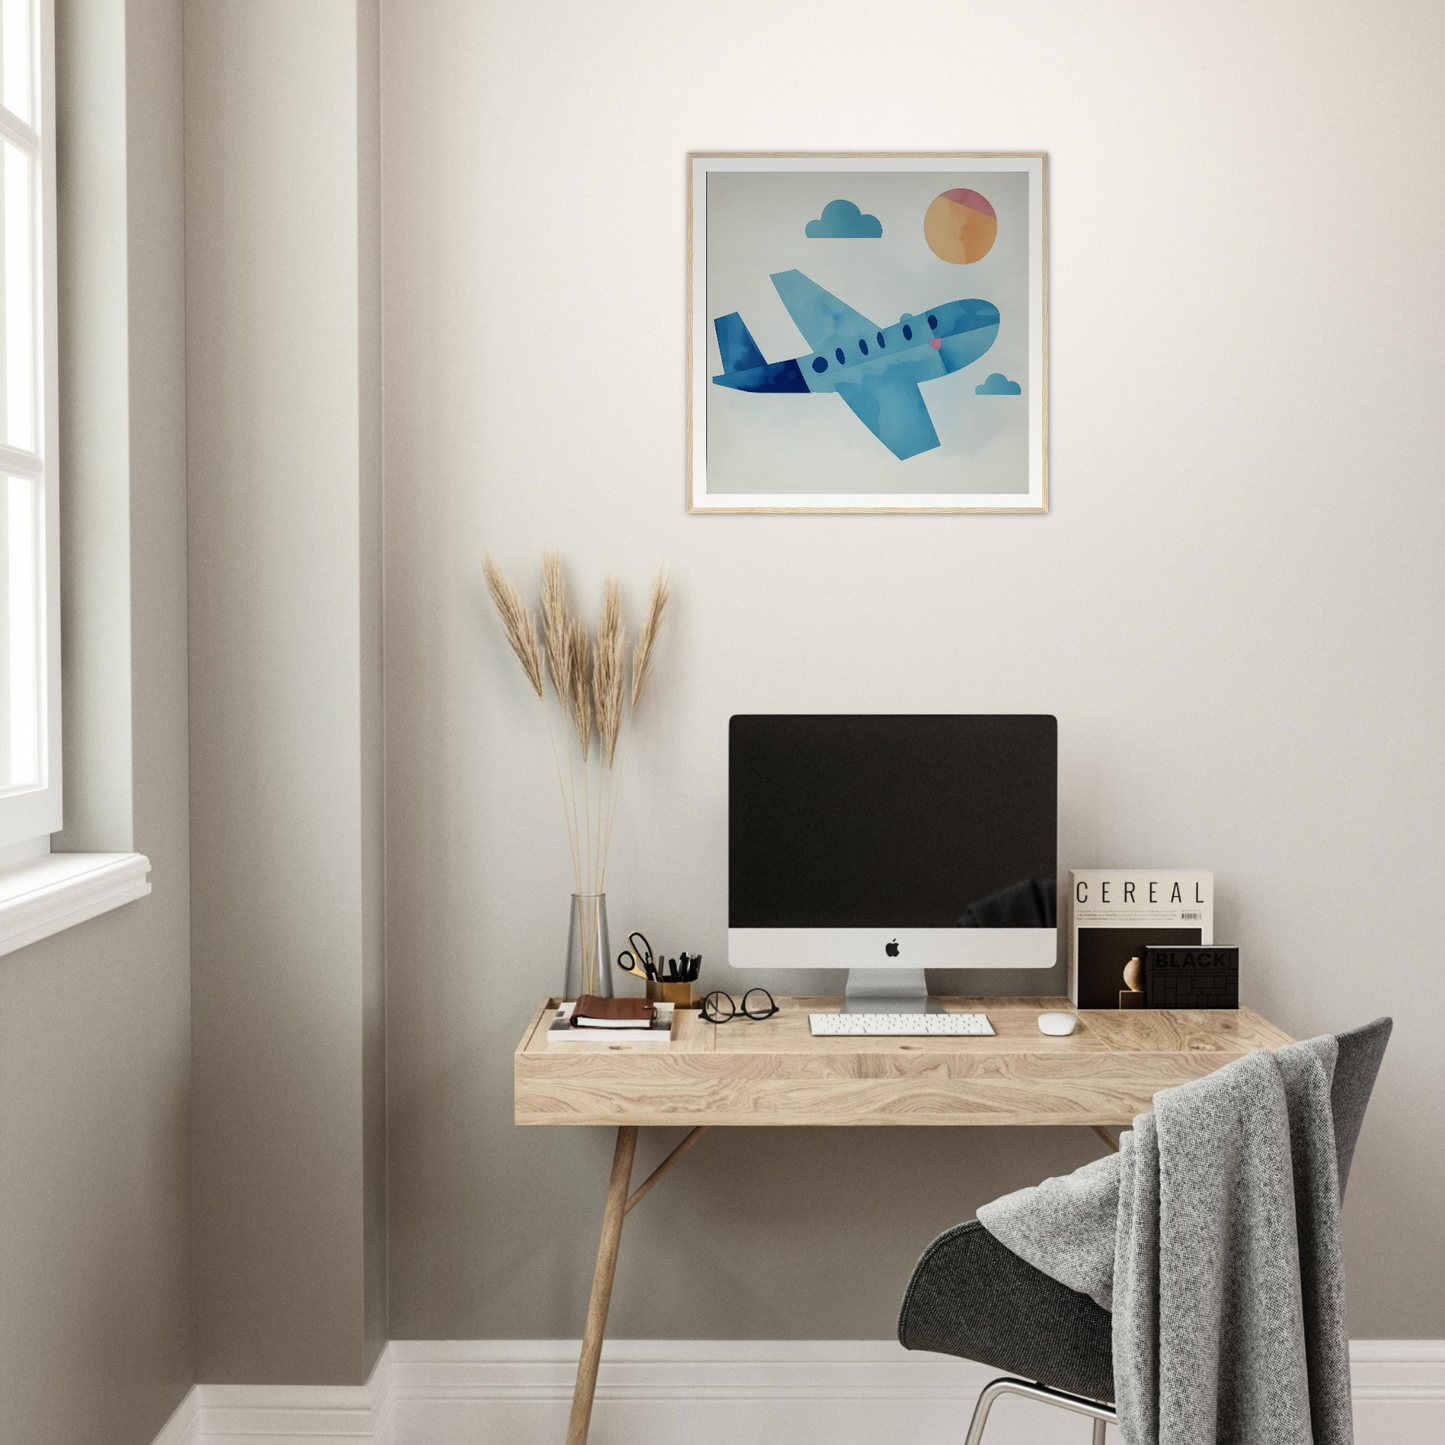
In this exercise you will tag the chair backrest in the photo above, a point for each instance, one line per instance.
(1359, 1061)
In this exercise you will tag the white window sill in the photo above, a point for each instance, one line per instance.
(59, 890)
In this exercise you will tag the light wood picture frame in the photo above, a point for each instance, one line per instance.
(798, 263)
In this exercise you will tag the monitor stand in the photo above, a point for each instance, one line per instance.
(887, 991)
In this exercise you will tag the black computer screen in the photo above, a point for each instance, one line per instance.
(918, 821)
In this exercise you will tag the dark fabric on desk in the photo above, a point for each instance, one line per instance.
(972, 1297)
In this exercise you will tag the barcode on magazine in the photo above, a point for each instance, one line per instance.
(1196, 916)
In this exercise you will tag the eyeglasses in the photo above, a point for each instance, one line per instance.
(719, 1008)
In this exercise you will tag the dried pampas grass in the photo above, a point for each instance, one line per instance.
(516, 622)
(579, 685)
(589, 681)
(647, 636)
(609, 670)
(556, 635)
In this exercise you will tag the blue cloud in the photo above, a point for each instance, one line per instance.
(997, 384)
(842, 220)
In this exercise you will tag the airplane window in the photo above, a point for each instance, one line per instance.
(881, 342)
(908, 333)
(862, 346)
(933, 323)
(839, 354)
(820, 363)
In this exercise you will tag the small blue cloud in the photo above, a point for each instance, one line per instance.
(997, 384)
(842, 220)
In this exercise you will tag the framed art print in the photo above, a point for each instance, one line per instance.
(867, 333)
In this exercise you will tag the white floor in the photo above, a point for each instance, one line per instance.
(716, 1392)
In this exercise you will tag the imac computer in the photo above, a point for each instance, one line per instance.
(890, 844)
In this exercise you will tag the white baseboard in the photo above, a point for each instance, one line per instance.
(288, 1414)
(713, 1392)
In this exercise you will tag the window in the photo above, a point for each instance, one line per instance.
(820, 363)
(862, 346)
(838, 352)
(41, 892)
(30, 804)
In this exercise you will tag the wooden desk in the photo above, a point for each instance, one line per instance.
(774, 1072)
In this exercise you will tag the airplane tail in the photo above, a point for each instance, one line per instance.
(735, 342)
(743, 366)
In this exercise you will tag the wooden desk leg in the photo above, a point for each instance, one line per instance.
(640, 1193)
(612, 1216)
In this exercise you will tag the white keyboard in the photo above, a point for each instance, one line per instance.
(912, 1026)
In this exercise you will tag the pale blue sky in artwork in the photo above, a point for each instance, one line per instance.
(757, 224)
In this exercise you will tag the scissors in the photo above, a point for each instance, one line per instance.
(637, 958)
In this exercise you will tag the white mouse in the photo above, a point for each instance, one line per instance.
(1057, 1023)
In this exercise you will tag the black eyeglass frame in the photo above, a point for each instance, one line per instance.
(712, 1016)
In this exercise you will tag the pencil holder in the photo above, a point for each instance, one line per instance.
(679, 994)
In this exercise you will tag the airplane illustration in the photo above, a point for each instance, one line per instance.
(875, 369)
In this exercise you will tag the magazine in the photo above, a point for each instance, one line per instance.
(1115, 912)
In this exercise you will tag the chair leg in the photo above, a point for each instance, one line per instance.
(980, 1410)
(1099, 1413)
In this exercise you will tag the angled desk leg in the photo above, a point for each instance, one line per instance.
(619, 1204)
(612, 1216)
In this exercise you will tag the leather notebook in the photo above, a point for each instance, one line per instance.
(593, 1012)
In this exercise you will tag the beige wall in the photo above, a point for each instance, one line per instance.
(1234, 606)
(282, 320)
(95, 1344)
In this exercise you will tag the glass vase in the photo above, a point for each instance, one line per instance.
(589, 952)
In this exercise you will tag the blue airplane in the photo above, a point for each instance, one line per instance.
(875, 369)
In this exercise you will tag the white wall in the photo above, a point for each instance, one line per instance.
(1234, 606)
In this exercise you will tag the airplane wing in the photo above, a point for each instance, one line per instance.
(893, 410)
(819, 315)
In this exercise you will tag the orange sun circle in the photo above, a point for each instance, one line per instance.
(960, 227)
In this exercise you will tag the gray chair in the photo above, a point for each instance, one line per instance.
(972, 1297)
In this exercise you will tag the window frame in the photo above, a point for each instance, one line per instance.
(28, 816)
(43, 892)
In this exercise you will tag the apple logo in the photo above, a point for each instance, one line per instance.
(891, 949)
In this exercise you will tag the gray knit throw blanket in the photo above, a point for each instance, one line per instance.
(1214, 1237)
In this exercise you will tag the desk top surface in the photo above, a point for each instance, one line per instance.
(775, 1072)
